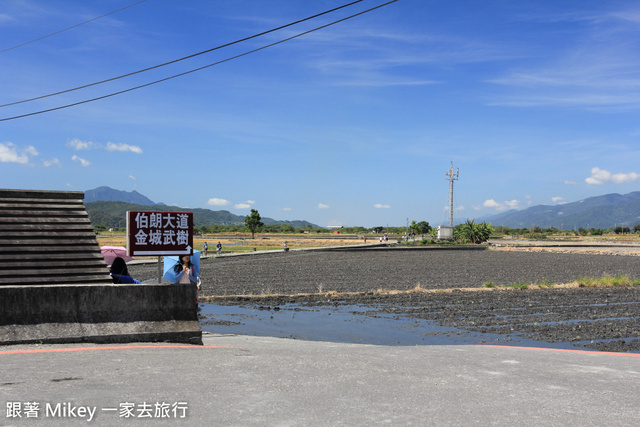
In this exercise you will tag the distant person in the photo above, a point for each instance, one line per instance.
(120, 272)
(218, 248)
(205, 248)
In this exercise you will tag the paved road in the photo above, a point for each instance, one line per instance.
(243, 380)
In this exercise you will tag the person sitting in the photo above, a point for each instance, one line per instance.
(120, 273)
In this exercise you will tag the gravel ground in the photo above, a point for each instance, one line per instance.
(598, 318)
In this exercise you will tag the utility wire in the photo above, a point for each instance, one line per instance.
(69, 28)
(183, 58)
(200, 68)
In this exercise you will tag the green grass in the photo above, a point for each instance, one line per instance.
(583, 282)
(621, 280)
(545, 284)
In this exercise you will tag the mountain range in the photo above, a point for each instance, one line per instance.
(607, 211)
(108, 207)
(106, 194)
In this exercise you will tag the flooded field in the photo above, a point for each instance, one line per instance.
(349, 296)
(348, 324)
(605, 319)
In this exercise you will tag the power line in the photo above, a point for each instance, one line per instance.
(183, 58)
(200, 68)
(69, 28)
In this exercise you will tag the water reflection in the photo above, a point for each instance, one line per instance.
(346, 324)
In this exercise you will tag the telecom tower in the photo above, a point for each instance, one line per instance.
(444, 232)
(450, 176)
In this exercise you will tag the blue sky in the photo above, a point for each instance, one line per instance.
(354, 124)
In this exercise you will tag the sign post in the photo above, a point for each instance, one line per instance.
(159, 233)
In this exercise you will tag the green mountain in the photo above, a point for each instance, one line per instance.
(109, 207)
(607, 211)
(113, 214)
(108, 194)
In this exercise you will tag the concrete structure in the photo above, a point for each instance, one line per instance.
(445, 233)
(98, 313)
(55, 286)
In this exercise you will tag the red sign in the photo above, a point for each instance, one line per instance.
(159, 233)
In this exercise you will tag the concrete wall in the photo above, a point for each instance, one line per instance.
(55, 286)
(98, 313)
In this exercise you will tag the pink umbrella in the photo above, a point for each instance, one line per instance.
(112, 252)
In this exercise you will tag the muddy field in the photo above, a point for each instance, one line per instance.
(605, 319)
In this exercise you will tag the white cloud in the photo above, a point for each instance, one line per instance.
(557, 199)
(218, 202)
(501, 206)
(251, 202)
(571, 182)
(600, 176)
(132, 177)
(76, 144)
(241, 206)
(512, 204)
(335, 223)
(111, 146)
(381, 206)
(10, 153)
(322, 206)
(286, 209)
(82, 161)
(51, 162)
(623, 178)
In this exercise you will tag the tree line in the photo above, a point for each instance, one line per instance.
(470, 231)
